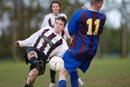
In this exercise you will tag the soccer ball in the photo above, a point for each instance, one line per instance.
(56, 63)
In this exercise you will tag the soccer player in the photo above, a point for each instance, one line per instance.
(41, 46)
(86, 26)
(49, 20)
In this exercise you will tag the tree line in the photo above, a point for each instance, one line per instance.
(23, 19)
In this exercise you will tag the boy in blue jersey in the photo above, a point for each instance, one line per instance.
(86, 26)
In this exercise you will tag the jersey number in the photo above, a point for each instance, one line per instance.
(96, 23)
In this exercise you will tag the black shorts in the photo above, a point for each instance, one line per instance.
(40, 54)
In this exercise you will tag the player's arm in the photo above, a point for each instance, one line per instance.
(102, 24)
(29, 41)
(72, 25)
(67, 33)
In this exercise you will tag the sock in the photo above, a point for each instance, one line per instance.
(52, 75)
(74, 79)
(62, 83)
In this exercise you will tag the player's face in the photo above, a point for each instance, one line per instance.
(55, 8)
(58, 26)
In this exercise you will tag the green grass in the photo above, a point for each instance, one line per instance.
(106, 72)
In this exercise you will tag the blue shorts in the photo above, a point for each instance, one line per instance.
(71, 64)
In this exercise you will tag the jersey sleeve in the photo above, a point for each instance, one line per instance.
(73, 22)
(30, 40)
(62, 49)
(102, 24)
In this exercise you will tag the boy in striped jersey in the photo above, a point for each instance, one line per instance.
(86, 26)
(41, 46)
(49, 20)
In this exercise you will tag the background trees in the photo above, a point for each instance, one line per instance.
(20, 18)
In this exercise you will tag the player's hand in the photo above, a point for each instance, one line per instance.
(69, 40)
(83, 7)
(17, 43)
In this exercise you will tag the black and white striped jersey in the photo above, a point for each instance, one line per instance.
(49, 19)
(47, 41)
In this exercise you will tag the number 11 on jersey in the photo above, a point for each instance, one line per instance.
(90, 27)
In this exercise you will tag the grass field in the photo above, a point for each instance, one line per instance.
(106, 72)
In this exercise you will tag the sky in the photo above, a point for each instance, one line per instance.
(113, 16)
(113, 19)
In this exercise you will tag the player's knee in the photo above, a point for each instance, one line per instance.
(32, 54)
(63, 74)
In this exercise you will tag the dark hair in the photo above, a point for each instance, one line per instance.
(57, 2)
(63, 19)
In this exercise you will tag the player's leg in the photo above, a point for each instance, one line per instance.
(62, 78)
(52, 77)
(74, 78)
(32, 58)
(74, 75)
(37, 66)
(32, 77)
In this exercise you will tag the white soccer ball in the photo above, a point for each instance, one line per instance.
(56, 63)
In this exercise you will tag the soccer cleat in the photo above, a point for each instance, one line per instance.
(52, 84)
(80, 82)
(26, 85)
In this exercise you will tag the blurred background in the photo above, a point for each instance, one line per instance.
(20, 18)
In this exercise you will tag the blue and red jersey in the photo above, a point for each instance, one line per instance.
(86, 27)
